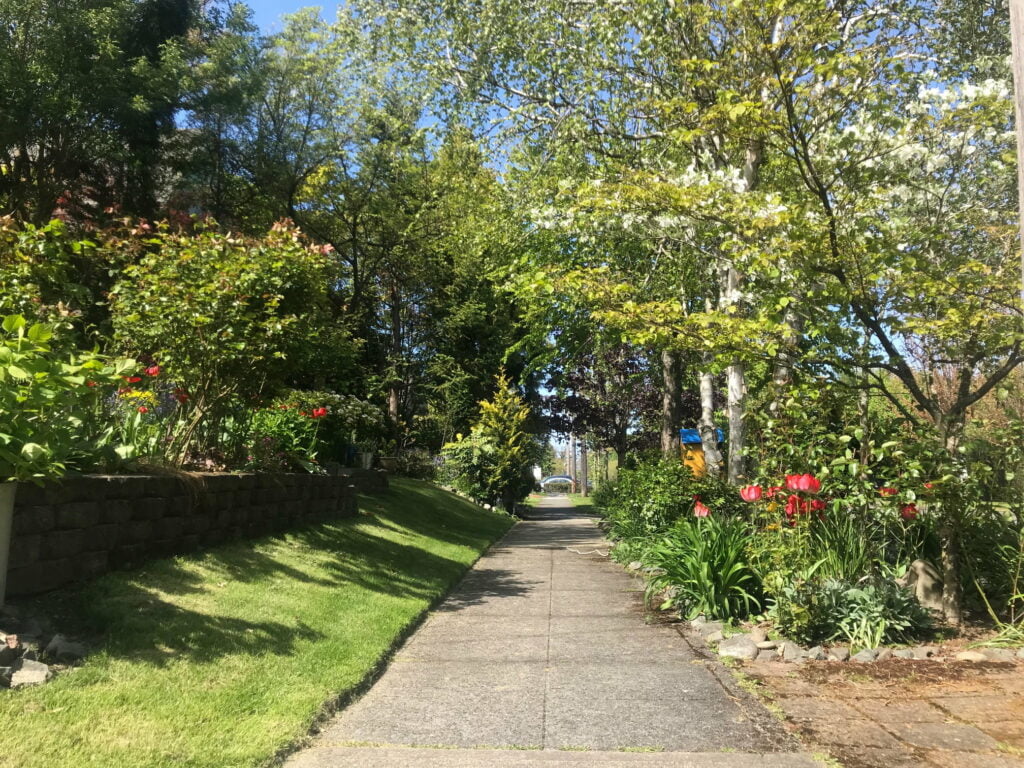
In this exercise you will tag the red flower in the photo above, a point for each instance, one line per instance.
(318, 413)
(793, 505)
(700, 509)
(180, 395)
(817, 505)
(153, 370)
(90, 383)
(132, 379)
(123, 390)
(770, 493)
(908, 511)
(888, 491)
(143, 409)
(929, 487)
(805, 482)
(751, 493)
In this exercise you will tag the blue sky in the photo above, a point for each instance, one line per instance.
(267, 13)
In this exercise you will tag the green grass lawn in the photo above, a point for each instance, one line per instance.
(224, 658)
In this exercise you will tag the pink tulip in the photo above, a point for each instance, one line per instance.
(805, 482)
(751, 493)
(700, 509)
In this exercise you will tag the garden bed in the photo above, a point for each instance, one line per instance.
(227, 657)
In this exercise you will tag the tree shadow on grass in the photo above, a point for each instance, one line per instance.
(164, 611)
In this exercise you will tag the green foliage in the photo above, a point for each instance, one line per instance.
(865, 614)
(494, 462)
(50, 402)
(702, 563)
(226, 317)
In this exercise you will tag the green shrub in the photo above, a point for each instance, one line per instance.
(867, 614)
(702, 562)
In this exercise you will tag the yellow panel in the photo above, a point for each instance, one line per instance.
(693, 457)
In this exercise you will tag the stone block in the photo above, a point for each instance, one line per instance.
(60, 544)
(26, 672)
(142, 531)
(78, 514)
(125, 555)
(117, 511)
(32, 519)
(24, 550)
(190, 542)
(149, 508)
(738, 647)
(91, 564)
(101, 538)
(170, 528)
(30, 495)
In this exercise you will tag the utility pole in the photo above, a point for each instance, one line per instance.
(584, 468)
(1017, 43)
(570, 461)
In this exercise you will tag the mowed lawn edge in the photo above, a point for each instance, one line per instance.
(228, 657)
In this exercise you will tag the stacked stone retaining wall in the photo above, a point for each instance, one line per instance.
(81, 527)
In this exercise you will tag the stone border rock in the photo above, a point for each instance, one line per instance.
(754, 645)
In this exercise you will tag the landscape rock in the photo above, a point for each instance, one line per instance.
(970, 656)
(9, 653)
(884, 654)
(839, 653)
(768, 654)
(998, 654)
(709, 627)
(738, 647)
(636, 565)
(925, 651)
(866, 656)
(1020, 653)
(791, 652)
(759, 635)
(26, 672)
(65, 650)
(714, 637)
(925, 583)
(817, 653)
(767, 645)
(904, 653)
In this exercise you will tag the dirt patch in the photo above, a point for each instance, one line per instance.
(901, 712)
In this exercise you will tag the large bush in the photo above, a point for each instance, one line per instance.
(227, 318)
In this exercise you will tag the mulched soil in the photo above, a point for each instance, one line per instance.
(899, 712)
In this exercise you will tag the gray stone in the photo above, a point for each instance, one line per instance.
(884, 654)
(25, 672)
(839, 653)
(759, 635)
(709, 627)
(636, 565)
(903, 653)
(925, 652)
(768, 654)
(866, 656)
(714, 637)
(998, 654)
(738, 647)
(791, 652)
(817, 653)
(767, 645)
(65, 650)
(924, 581)
(1020, 653)
(970, 656)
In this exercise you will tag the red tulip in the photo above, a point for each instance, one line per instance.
(751, 493)
(908, 511)
(143, 409)
(770, 493)
(318, 413)
(817, 505)
(805, 482)
(793, 506)
(888, 491)
(153, 370)
(700, 510)
(132, 379)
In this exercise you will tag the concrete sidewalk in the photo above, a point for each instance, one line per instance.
(541, 657)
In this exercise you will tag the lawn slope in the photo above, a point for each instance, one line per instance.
(224, 658)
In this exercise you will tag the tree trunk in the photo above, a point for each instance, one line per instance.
(570, 458)
(782, 372)
(706, 425)
(671, 396)
(584, 469)
(394, 394)
(951, 430)
(736, 405)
